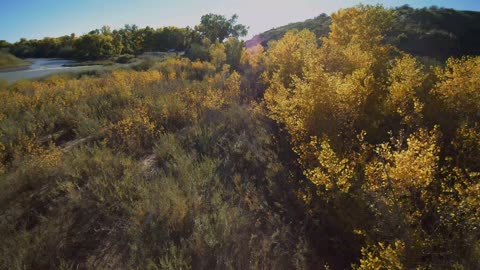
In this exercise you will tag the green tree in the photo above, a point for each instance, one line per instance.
(218, 27)
(199, 51)
(23, 48)
(95, 46)
(132, 39)
(5, 44)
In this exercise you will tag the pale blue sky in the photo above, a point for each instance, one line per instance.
(40, 18)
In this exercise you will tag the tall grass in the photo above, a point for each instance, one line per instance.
(155, 169)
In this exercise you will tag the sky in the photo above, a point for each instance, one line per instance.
(34, 19)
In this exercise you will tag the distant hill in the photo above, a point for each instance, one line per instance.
(320, 25)
(433, 32)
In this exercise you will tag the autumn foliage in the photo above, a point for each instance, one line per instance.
(366, 122)
(337, 153)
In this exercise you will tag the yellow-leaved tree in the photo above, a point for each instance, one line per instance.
(325, 92)
(217, 55)
(406, 78)
(361, 117)
(458, 86)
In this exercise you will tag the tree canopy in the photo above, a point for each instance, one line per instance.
(218, 27)
(105, 42)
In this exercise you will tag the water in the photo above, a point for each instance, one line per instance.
(42, 67)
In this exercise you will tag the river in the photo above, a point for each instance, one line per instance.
(42, 67)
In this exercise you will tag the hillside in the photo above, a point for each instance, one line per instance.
(320, 25)
(10, 61)
(434, 32)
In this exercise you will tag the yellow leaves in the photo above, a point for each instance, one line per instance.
(197, 65)
(279, 102)
(217, 55)
(232, 87)
(469, 206)
(319, 103)
(229, 94)
(172, 76)
(25, 145)
(333, 172)
(253, 57)
(202, 70)
(213, 99)
(139, 117)
(49, 158)
(459, 85)
(286, 58)
(45, 158)
(325, 91)
(252, 65)
(355, 40)
(404, 170)
(135, 130)
(467, 146)
(382, 257)
(360, 23)
(351, 93)
(459, 201)
(399, 180)
(406, 79)
(184, 69)
(417, 164)
(126, 80)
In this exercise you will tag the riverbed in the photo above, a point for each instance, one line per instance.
(42, 67)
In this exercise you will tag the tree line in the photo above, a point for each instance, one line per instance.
(131, 39)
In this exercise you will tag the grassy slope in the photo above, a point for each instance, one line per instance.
(9, 61)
